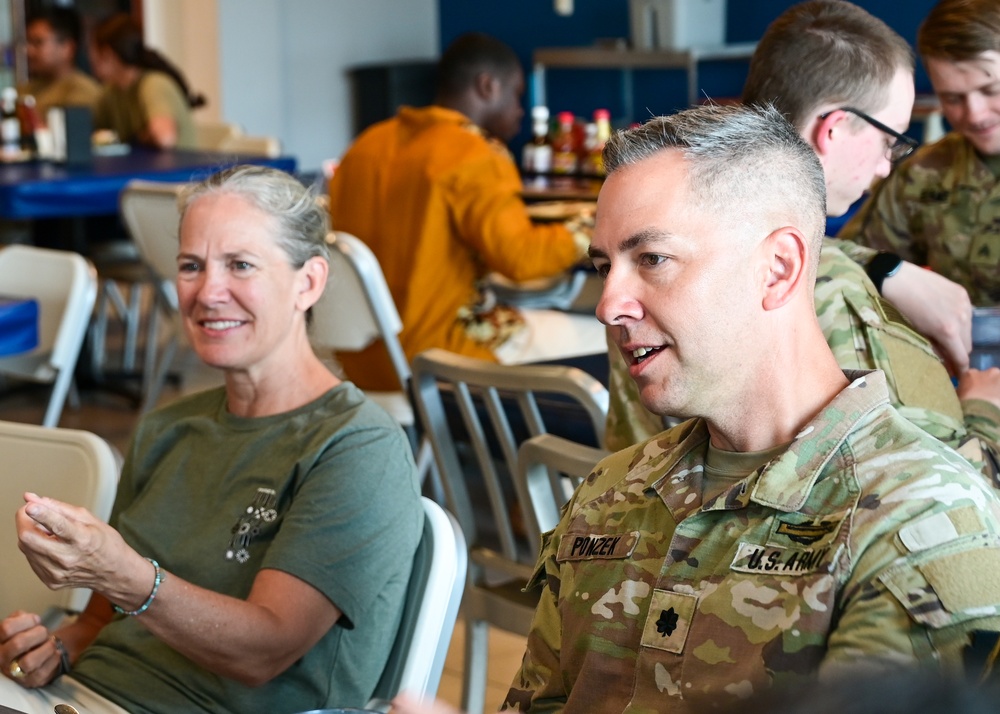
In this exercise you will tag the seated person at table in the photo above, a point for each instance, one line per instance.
(54, 81)
(146, 99)
(803, 71)
(796, 526)
(436, 195)
(247, 566)
(942, 207)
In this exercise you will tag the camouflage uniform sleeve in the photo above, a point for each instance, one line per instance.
(982, 419)
(917, 595)
(860, 254)
(883, 221)
(628, 421)
(537, 686)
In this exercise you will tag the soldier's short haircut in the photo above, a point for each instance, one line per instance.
(960, 30)
(468, 56)
(744, 162)
(825, 52)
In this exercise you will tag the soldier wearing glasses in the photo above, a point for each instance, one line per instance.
(942, 207)
(845, 81)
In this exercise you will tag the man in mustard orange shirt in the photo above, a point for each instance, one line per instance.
(436, 195)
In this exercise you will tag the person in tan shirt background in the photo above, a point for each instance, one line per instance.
(54, 80)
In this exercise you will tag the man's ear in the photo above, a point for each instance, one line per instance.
(827, 130)
(486, 86)
(786, 262)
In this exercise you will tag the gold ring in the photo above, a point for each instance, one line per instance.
(15, 670)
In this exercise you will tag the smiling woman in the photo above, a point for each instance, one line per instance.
(246, 566)
(247, 278)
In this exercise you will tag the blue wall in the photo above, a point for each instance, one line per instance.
(528, 24)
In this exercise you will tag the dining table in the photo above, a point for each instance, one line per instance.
(72, 205)
(18, 325)
(40, 189)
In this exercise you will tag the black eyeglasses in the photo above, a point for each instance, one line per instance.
(903, 146)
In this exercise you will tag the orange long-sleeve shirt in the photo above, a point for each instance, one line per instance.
(439, 204)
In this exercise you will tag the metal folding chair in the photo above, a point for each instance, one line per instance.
(493, 407)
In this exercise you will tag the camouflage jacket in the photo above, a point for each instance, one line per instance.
(864, 331)
(941, 208)
(866, 540)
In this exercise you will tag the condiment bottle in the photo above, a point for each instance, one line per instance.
(564, 146)
(537, 156)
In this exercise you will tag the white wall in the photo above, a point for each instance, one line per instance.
(186, 32)
(278, 67)
(283, 63)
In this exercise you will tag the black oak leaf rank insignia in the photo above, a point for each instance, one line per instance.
(667, 622)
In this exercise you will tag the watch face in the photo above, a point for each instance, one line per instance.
(882, 266)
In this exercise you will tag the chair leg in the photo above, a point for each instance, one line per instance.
(159, 378)
(59, 390)
(426, 467)
(151, 347)
(99, 332)
(73, 396)
(132, 318)
(474, 677)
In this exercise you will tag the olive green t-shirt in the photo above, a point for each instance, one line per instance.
(327, 492)
(127, 111)
(76, 89)
(724, 468)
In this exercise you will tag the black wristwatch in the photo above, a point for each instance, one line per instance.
(883, 265)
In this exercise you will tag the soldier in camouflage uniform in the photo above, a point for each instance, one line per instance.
(942, 207)
(798, 525)
(863, 329)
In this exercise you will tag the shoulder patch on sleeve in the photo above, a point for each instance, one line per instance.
(938, 589)
(941, 528)
(966, 582)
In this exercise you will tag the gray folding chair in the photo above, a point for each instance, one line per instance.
(149, 211)
(496, 407)
(429, 613)
(65, 286)
(550, 469)
(357, 309)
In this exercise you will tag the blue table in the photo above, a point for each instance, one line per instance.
(18, 325)
(40, 189)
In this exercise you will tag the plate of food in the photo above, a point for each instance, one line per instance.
(560, 210)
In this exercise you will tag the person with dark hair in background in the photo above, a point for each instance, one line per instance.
(437, 196)
(146, 100)
(54, 81)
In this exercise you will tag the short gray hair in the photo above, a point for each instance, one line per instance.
(302, 222)
(743, 161)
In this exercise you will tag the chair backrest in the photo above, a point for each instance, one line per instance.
(149, 210)
(549, 469)
(70, 465)
(209, 136)
(247, 145)
(499, 406)
(357, 308)
(65, 285)
(432, 599)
